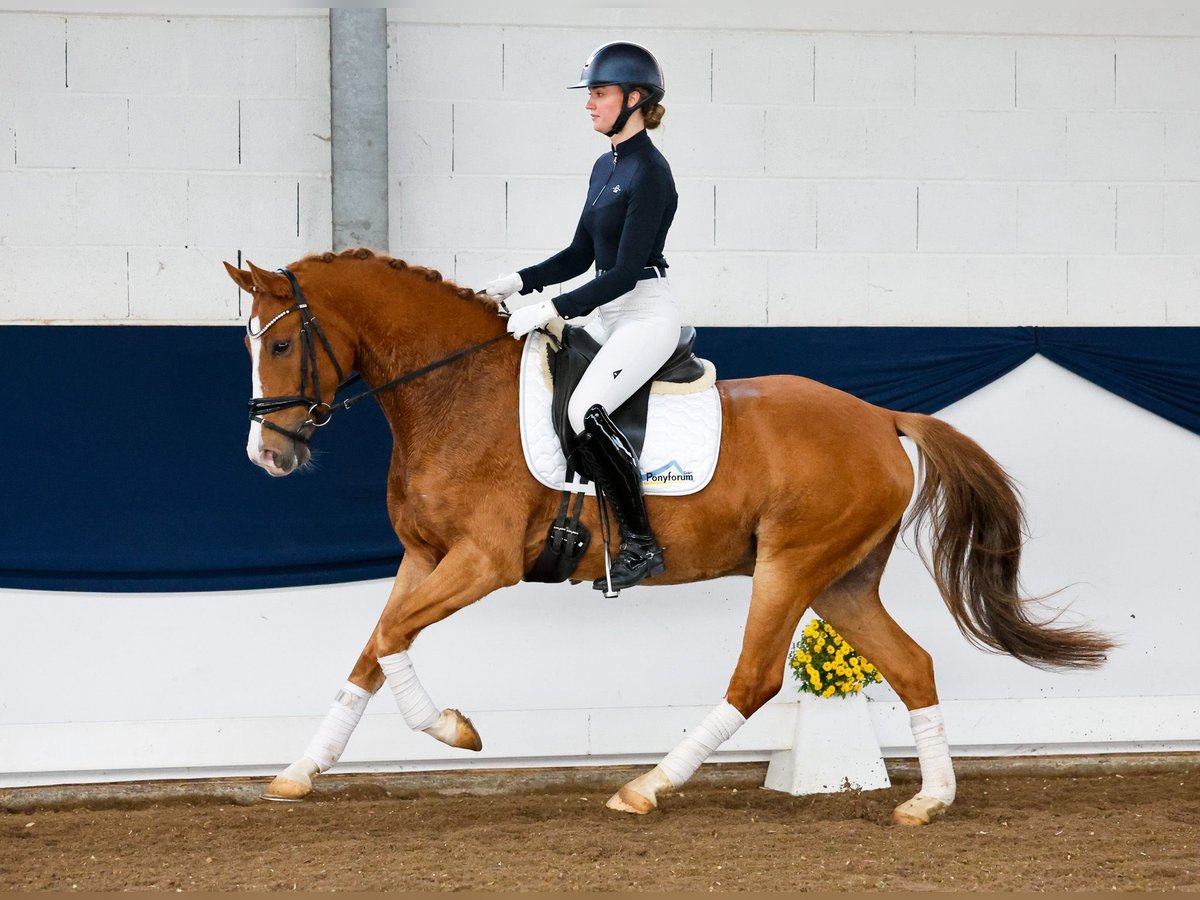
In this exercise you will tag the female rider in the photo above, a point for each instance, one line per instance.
(630, 203)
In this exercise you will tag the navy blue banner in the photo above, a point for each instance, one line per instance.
(126, 470)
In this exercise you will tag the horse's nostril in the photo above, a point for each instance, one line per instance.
(269, 458)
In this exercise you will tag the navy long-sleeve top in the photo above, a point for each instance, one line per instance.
(630, 204)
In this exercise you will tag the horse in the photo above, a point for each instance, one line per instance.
(807, 500)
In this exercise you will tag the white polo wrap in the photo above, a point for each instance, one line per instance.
(331, 738)
(718, 727)
(933, 751)
(416, 707)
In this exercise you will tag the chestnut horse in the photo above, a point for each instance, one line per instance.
(807, 500)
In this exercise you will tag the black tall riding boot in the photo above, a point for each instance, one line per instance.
(614, 465)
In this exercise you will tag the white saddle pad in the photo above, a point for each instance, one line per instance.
(683, 429)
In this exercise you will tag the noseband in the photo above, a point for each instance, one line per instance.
(320, 412)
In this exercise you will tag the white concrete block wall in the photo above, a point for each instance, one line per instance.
(1006, 139)
(999, 166)
(138, 151)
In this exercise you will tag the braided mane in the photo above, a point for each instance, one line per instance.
(433, 276)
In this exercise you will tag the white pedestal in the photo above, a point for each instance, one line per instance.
(834, 749)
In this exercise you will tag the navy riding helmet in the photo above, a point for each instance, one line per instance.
(629, 66)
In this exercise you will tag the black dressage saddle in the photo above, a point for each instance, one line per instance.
(575, 352)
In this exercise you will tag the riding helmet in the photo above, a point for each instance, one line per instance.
(627, 65)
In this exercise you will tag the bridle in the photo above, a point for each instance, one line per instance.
(319, 412)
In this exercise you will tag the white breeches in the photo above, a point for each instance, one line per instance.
(638, 332)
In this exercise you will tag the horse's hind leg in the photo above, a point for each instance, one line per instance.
(777, 602)
(852, 606)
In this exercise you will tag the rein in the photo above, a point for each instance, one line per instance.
(319, 412)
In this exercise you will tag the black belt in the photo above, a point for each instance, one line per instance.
(648, 272)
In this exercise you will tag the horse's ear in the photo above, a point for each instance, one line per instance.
(242, 279)
(269, 282)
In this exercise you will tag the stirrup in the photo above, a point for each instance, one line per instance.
(652, 563)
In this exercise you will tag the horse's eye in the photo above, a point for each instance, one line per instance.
(278, 348)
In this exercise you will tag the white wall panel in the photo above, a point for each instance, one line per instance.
(817, 289)
(38, 207)
(541, 213)
(762, 67)
(1066, 218)
(421, 137)
(446, 62)
(189, 133)
(1182, 145)
(816, 143)
(864, 70)
(1140, 218)
(283, 134)
(864, 215)
(169, 284)
(126, 54)
(45, 283)
(1133, 290)
(461, 212)
(982, 145)
(31, 52)
(8, 134)
(956, 72)
(695, 224)
(768, 214)
(1126, 146)
(126, 208)
(1066, 73)
(525, 138)
(1181, 219)
(71, 131)
(1158, 74)
(967, 217)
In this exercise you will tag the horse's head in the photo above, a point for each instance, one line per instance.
(295, 370)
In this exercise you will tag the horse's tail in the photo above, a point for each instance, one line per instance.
(976, 529)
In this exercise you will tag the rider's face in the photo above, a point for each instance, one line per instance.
(604, 104)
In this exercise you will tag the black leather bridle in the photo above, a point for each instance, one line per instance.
(319, 412)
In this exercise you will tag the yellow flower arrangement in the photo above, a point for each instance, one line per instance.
(826, 665)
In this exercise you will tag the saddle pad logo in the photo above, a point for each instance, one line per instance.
(670, 473)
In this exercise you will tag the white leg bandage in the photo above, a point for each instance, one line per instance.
(416, 707)
(330, 740)
(718, 726)
(933, 750)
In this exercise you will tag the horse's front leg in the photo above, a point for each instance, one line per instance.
(465, 575)
(330, 740)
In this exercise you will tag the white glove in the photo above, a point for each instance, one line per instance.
(527, 318)
(504, 286)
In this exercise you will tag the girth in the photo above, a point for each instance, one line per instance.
(576, 350)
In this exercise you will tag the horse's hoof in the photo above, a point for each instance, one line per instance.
(629, 801)
(918, 811)
(456, 730)
(465, 735)
(293, 783)
(285, 790)
(640, 796)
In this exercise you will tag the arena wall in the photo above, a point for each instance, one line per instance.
(854, 164)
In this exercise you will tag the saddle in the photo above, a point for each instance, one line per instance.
(576, 350)
(568, 537)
